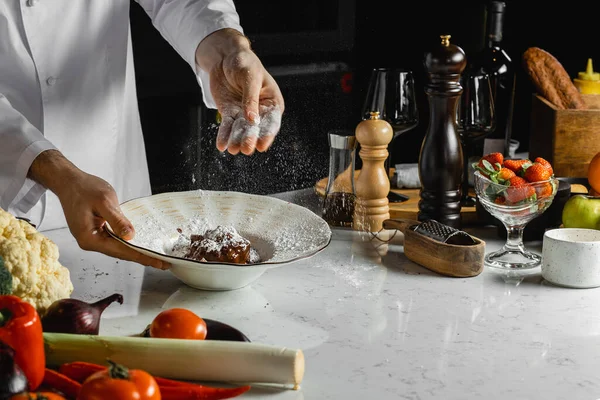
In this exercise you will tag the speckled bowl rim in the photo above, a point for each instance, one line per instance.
(220, 265)
(550, 234)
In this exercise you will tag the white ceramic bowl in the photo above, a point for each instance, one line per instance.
(571, 257)
(280, 231)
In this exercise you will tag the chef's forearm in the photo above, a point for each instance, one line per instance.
(213, 48)
(53, 170)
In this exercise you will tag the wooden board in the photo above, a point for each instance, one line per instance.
(408, 209)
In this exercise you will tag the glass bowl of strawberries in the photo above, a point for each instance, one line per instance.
(515, 191)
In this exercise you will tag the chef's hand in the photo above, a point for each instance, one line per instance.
(88, 203)
(247, 97)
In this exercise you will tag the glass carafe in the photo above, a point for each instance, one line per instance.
(338, 205)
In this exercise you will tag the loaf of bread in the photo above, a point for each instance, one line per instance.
(551, 80)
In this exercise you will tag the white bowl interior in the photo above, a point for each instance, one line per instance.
(280, 231)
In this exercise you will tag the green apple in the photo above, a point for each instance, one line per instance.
(580, 211)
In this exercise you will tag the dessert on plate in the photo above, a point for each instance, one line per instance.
(221, 244)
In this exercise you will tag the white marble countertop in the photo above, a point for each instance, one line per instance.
(374, 325)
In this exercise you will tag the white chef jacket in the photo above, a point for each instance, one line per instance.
(67, 82)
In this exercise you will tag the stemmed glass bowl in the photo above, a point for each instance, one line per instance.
(514, 206)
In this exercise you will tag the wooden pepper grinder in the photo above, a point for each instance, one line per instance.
(373, 183)
(441, 156)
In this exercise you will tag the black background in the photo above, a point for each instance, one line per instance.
(179, 131)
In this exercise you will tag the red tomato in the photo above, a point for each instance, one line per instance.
(135, 385)
(37, 395)
(178, 323)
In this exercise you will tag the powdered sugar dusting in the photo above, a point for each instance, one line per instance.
(222, 244)
(242, 128)
(235, 129)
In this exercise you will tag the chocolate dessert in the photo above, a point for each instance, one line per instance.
(222, 244)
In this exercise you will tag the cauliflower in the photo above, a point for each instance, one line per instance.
(32, 260)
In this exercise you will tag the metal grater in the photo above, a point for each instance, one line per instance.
(444, 233)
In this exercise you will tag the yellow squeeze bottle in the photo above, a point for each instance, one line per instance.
(588, 82)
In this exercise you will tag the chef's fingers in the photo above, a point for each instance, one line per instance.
(224, 133)
(270, 125)
(238, 131)
(264, 143)
(112, 247)
(92, 235)
(248, 145)
(250, 99)
(111, 212)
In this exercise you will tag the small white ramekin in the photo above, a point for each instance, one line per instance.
(571, 257)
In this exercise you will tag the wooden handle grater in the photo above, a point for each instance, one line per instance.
(429, 244)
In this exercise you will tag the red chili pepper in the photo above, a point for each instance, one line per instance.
(81, 370)
(62, 383)
(201, 392)
(21, 329)
(169, 389)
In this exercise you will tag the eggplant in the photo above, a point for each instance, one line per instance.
(215, 330)
(12, 378)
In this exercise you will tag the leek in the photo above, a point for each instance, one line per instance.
(193, 360)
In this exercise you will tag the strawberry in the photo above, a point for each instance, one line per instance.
(519, 190)
(501, 176)
(517, 166)
(545, 190)
(516, 194)
(537, 172)
(505, 174)
(490, 163)
(545, 163)
(517, 181)
(493, 158)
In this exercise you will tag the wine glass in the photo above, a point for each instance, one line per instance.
(475, 119)
(514, 206)
(391, 91)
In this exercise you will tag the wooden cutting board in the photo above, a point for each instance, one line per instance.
(408, 209)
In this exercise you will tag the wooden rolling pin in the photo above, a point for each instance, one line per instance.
(446, 258)
(182, 359)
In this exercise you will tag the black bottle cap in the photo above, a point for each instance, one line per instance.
(495, 20)
(496, 6)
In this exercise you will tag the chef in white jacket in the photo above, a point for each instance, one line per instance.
(71, 144)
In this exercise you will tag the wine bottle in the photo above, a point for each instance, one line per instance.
(494, 61)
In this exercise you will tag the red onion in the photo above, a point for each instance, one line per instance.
(76, 316)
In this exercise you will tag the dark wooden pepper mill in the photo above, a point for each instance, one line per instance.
(441, 157)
